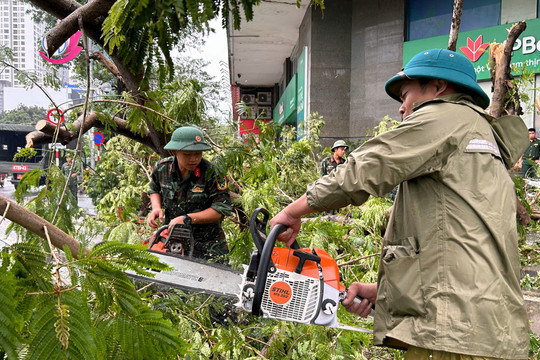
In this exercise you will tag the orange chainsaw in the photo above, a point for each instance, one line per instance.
(298, 285)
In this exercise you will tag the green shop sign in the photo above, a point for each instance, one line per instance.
(475, 45)
(285, 110)
(301, 86)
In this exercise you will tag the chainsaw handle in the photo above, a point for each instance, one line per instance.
(258, 227)
(156, 235)
(264, 262)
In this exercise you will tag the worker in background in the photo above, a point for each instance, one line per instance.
(72, 179)
(531, 156)
(338, 153)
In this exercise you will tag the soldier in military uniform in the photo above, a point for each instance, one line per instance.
(72, 179)
(185, 189)
(531, 156)
(330, 163)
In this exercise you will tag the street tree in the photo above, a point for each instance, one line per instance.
(136, 38)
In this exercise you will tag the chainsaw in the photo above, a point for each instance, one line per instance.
(298, 285)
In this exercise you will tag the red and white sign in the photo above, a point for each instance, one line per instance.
(18, 167)
(53, 118)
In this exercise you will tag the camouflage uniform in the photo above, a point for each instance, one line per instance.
(72, 180)
(532, 153)
(329, 164)
(202, 189)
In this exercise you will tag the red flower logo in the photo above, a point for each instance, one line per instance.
(197, 138)
(475, 49)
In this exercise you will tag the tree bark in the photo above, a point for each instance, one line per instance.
(36, 224)
(45, 131)
(92, 13)
(500, 56)
(454, 27)
(92, 17)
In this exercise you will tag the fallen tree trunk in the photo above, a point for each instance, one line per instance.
(45, 131)
(36, 224)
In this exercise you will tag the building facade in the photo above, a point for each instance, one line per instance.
(351, 48)
(23, 36)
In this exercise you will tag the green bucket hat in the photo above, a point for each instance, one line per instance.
(187, 138)
(339, 143)
(439, 64)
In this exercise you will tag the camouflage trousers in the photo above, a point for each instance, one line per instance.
(214, 250)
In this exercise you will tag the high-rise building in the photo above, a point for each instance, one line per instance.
(20, 33)
(23, 36)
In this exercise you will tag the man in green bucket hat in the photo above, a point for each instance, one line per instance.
(186, 189)
(331, 162)
(448, 284)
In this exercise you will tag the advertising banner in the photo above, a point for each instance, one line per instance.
(285, 110)
(475, 45)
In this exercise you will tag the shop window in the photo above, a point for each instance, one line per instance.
(427, 18)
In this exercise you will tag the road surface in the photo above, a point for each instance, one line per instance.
(8, 191)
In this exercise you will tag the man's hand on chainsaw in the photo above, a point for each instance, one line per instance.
(366, 291)
(176, 220)
(290, 217)
(155, 213)
(293, 226)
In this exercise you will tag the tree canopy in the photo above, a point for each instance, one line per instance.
(136, 39)
(23, 115)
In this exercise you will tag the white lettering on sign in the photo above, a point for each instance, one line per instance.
(19, 167)
(528, 45)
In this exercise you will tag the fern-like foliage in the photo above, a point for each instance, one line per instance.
(154, 337)
(60, 307)
(11, 322)
(61, 328)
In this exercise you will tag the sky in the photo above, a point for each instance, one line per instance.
(215, 52)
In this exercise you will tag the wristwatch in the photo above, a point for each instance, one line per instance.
(187, 220)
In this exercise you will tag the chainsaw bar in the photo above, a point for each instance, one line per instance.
(352, 328)
(197, 275)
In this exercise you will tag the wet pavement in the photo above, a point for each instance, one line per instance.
(8, 192)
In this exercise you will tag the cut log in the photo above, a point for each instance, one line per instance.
(36, 224)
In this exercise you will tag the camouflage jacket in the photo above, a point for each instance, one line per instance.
(329, 164)
(202, 189)
(66, 167)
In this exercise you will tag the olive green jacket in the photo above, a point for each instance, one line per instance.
(449, 270)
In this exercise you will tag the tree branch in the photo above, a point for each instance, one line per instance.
(500, 56)
(454, 27)
(92, 14)
(63, 9)
(108, 64)
(44, 131)
(36, 224)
